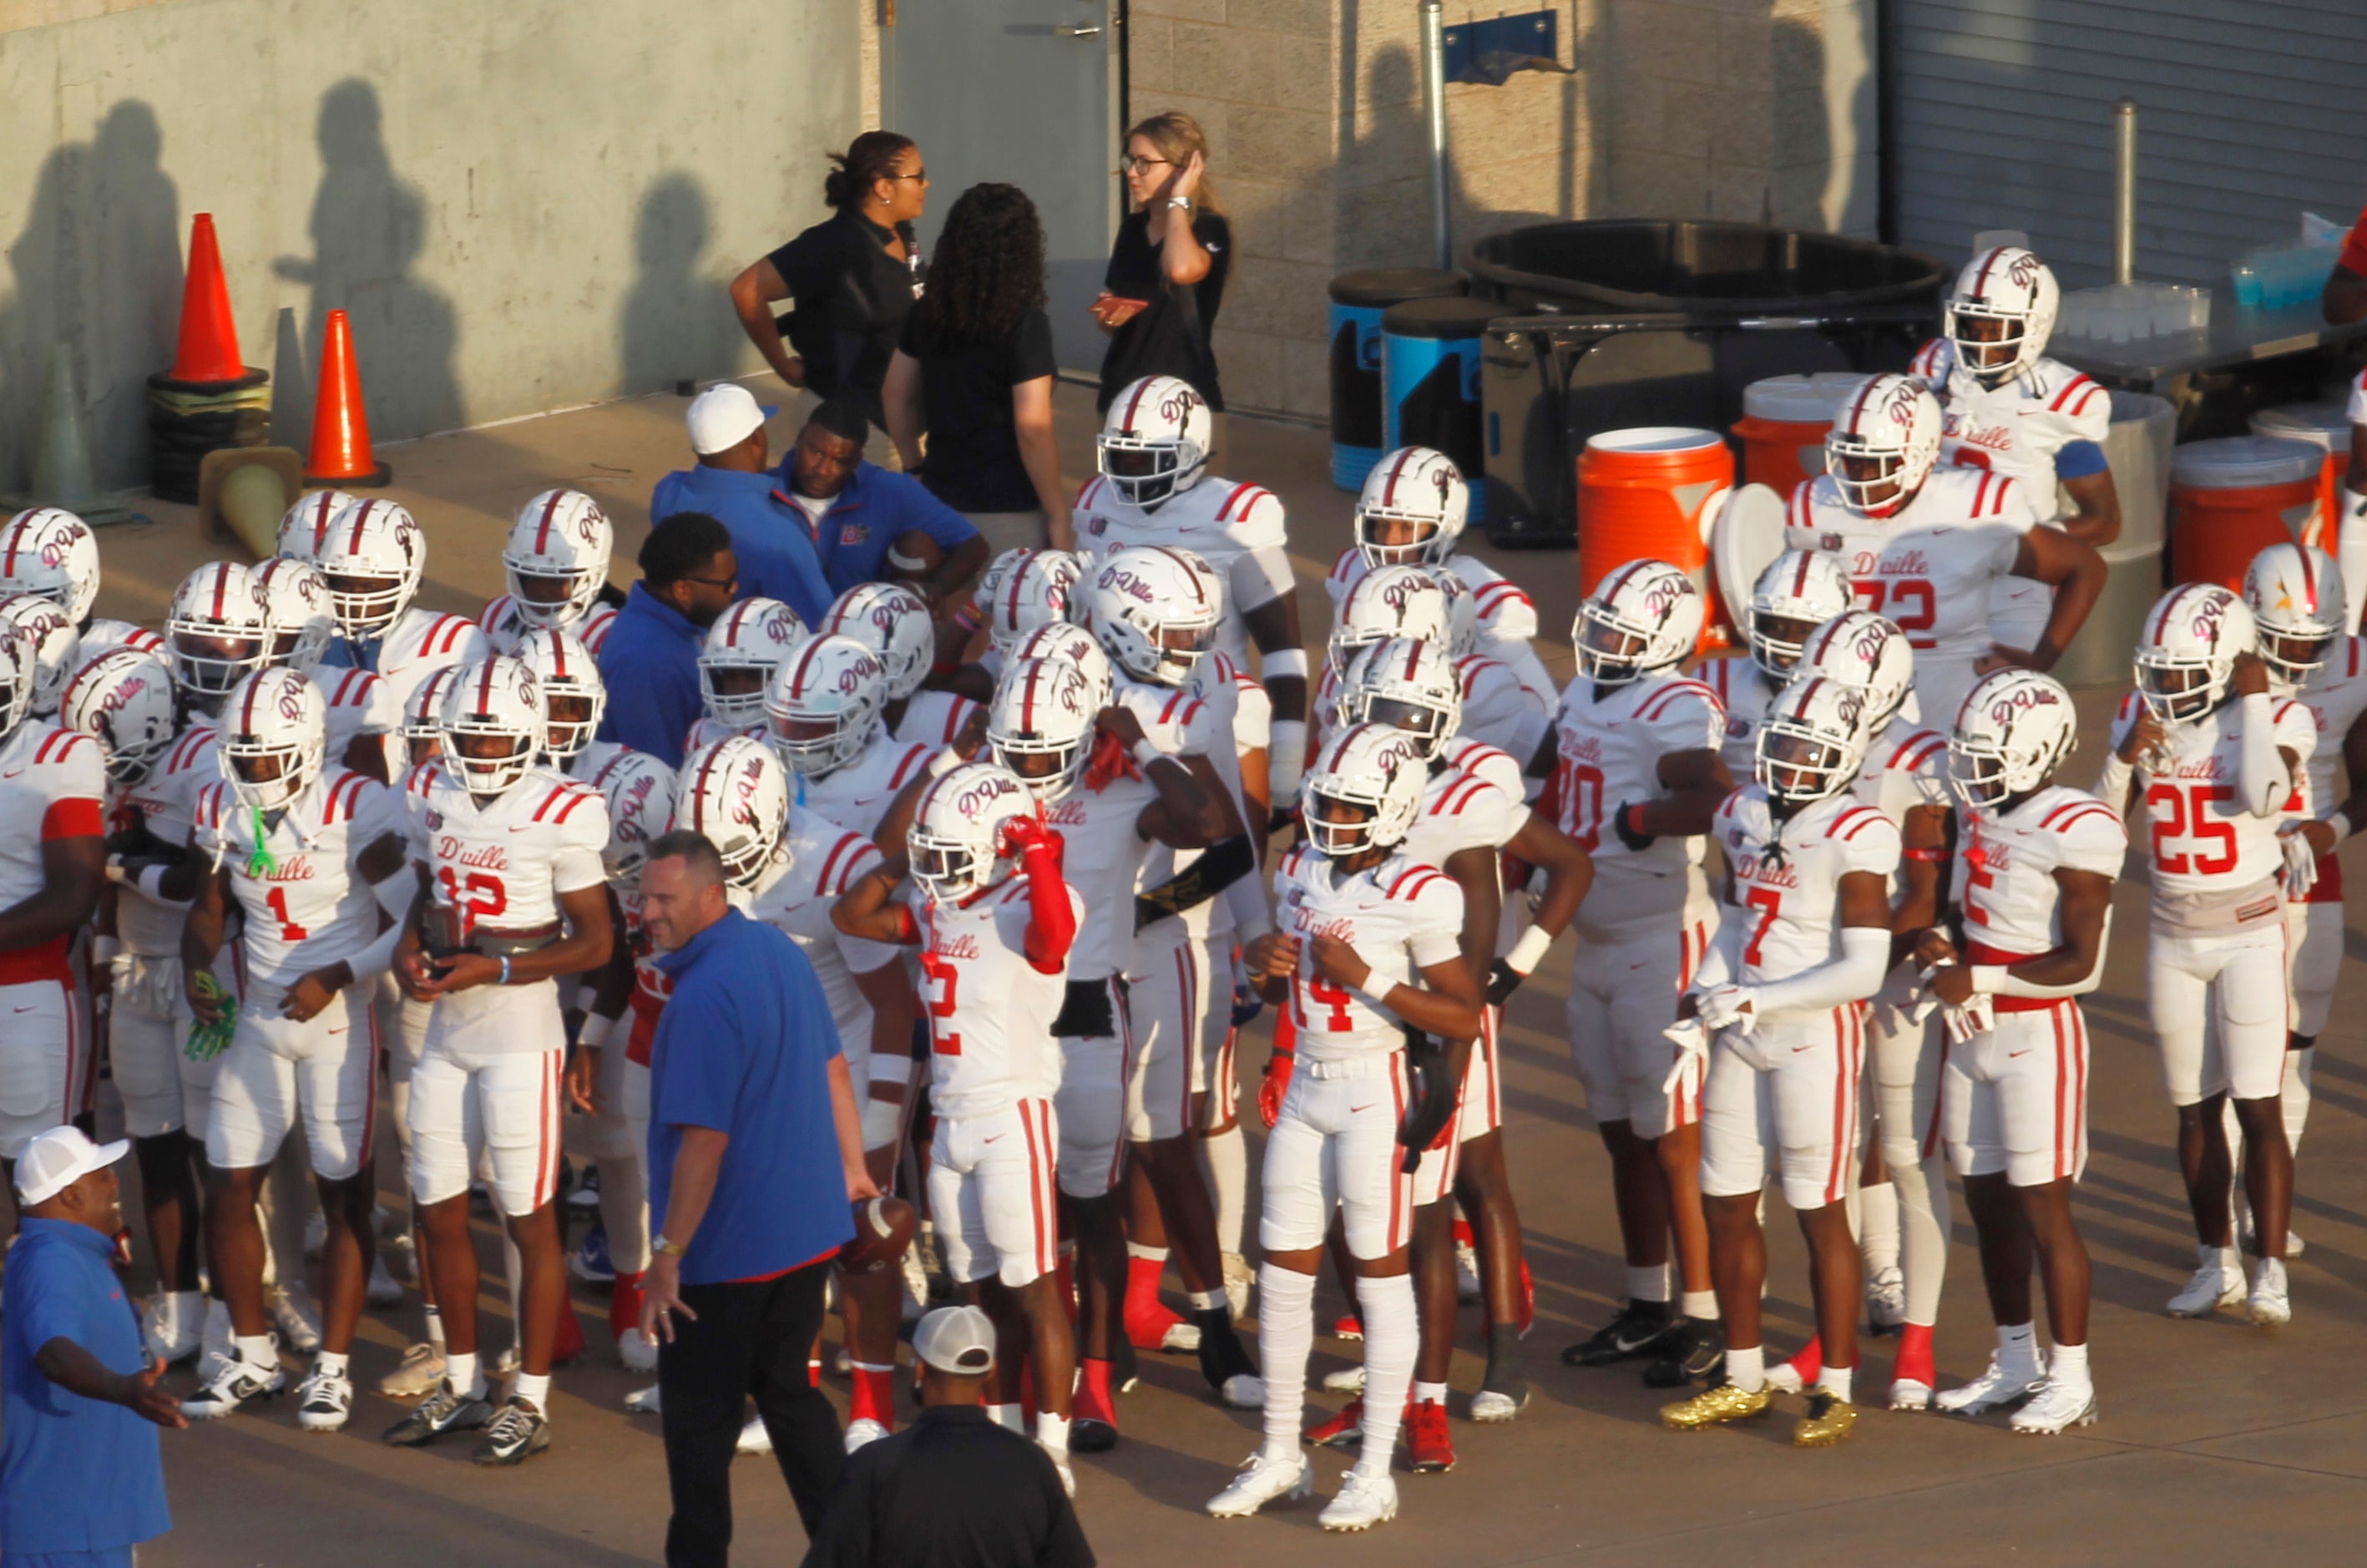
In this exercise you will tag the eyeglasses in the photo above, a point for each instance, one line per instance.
(920, 175)
(726, 583)
(1130, 165)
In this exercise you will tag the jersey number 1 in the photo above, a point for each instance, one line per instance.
(289, 930)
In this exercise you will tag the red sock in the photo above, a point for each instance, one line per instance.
(1810, 1362)
(1142, 1276)
(568, 1345)
(1463, 1236)
(1915, 1354)
(625, 1305)
(874, 1396)
(1094, 1401)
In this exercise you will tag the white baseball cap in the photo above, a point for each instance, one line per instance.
(959, 1340)
(56, 1159)
(724, 415)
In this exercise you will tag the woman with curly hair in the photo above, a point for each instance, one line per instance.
(974, 370)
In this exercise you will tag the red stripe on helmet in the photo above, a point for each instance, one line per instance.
(542, 533)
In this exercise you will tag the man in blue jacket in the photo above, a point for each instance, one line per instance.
(858, 510)
(650, 662)
(770, 535)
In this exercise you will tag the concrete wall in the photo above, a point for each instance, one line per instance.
(524, 205)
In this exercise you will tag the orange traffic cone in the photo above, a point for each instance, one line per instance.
(208, 347)
(340, 440)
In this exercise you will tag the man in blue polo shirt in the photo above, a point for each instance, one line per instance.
(650, 662)
(858, 509)
(756, 1152)
(732, 484)
(82, 1481)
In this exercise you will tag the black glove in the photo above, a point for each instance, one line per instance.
(1623, 824)
(1432, 1104)
(1502, 981)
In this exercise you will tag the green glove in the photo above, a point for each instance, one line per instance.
(209, 1041)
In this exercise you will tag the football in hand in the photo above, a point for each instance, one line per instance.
(883, 1229)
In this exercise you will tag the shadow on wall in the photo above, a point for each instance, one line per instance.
(676, 322)
(368, 227)
(96, 266)
(1824, 126)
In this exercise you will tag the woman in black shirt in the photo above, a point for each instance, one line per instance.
(852, 277)
(974, 369)
(1167, 267)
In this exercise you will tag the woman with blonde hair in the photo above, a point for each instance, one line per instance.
(1167, 267)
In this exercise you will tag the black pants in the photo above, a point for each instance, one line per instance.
(748, 1339)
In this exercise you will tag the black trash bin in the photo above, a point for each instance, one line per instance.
(1358, 300)
(1623, 323)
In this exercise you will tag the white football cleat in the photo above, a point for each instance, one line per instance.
(1908, 1394)
(2270, 1305)
(1491, 1407)
(1994, 1390)
(1263, 1480)
(238, 1381)
(1362, 1502)
(1059, 1458)
(2056, 1408)
(420, 1373)
(1245, 1390)
(1785, 1378)
(1885, 1301)
(643, 1402)
(1347, 1379)
(638, 1351)
(298, 1318)
(2219, 1282)
(323, 1401)
(862, 1432)
(754, 1438)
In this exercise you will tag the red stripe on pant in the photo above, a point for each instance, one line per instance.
(1187, 1041)
(1400, 1184)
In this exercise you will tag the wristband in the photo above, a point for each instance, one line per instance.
(1529, 950)
(152, 884)
(945, 762)
(1927, 856)
(2341, 824)
(1145, 754)
(1183, 201)
(1283, 663)
(505, 980)
(594, 1032)
(1988, 979)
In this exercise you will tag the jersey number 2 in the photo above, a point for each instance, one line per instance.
(947, 1042)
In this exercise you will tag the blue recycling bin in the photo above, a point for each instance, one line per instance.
(1358, 301)
(1429, 383)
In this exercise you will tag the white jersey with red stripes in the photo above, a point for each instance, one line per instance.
(1477, 758)
(859, 794)
(1745, 692)
(1905, 767)
(306, 903)
(823, 860)
(706, 730)
(103, 635)
(167, 799)
(422, 642)
(1217, 674)
(503, 863)
(1401, 915)
(1240, 706)
(1237, 529)
(504, 628)
(932, 718)
(2336, 695)
(1609, 745)
(1928, 566)
(1500, 708)
(2016, 428)
(2006, 864)
(1506, 615)
(52, 785)
(2213, 861)
(359, 703)
(989, 1010)
(1462, 811)
(1786, 873)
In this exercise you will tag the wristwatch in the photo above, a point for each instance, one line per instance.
(1183, 201)
(665, 1248)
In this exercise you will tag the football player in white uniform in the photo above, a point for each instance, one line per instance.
(1800, 591)
(1394, 601)
(373, 552)
(1154, 489)
(2217, 760)
(1777, 1008)
(512, 897)
(56, 647)
(1369, 961)
(314, 857)
(1411, 513)
(893, 621)
(50, 552)
(556, 562)
(2009, 409)
(361, 713)
(1925, 546)
(994, 920)
(1634, 779)
(2350, 544)
(826, 709)
(745, 645)
(2033, 912)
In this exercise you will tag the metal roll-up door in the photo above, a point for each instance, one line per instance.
(2248, 115)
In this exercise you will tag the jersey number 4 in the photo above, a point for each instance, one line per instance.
(2189, 818)
(1334, 1001)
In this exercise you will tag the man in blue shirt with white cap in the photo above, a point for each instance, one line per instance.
(770, 534)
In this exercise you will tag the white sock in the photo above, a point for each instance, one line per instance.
(1701, 1306)
(257, 1350)
(463, 1374)
(1285, 1339)
(2298, 1064)
(2069, 1364)
(436, 1330)
(1052, 1431)
(625, 1212)
(2225, 1258)
(1206, 1300)
(329, 1364)
(1392, 1339)
(1227, 1153)
(2018, 1348)
(1135, 1249)
(1651, 1284)
(1008, 1416)
(1877, 1235)
(535, 1389)
(1747, 1369)
(1429, 1394)
(1836, 1382)
(2350, 551)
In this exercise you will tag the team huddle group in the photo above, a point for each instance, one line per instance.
(312, 833)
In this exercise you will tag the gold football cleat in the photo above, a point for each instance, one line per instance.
(1708, 1408)
(1829, 1419)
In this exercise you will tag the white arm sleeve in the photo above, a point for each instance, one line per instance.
(378, 957)
(2262, 779)
(1245, 896)
(1261, 576)
(2112, 784)
(1855, 975)
(1286, 762)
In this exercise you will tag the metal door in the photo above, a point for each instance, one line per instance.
(1018, 91)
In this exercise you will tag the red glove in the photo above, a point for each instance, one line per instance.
(1109, 760)
(1052, 922)
(1276, 1084)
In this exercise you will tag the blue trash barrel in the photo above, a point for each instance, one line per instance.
(1430, 382)
(1357, 301)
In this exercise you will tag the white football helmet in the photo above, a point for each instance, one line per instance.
(744, 648)
(275, 738)
(640, 791)
(1812, 741)
(495, 706)
(825, 704)
(735, 792)
(2295, 595)
(2015, 292)
(557, 557)
(1391, 601)
(574, 695)
(57, 646)
(372, 554)
(1462, 611)
(50, 551)
(1422, 490)
(1154, 441)
(19, 669)
(2186, 655)
(1024, 589)
(1800, 590)
(2015, 728)
(1408, 684)
(1374, 768)
(1868, 651)
(1043, 708)
(422, 715)
(217, 632)
(1060, 640)
(956, 838)
(893, 622)
(123, 699)
(296, 606)
(1642, 618)
(1152, 608)
(305, 526)
(1892, 424)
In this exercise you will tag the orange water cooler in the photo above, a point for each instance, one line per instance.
(2326, 424)
(1645, 494)
(1783, 425)
(2233, 497)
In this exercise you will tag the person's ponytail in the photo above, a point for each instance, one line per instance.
(868, 159)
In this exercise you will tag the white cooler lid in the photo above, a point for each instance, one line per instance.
(1655, 438)
(2327, 423)
(2238, 462)
(1801, 400)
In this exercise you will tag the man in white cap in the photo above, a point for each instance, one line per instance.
(954, 1488)
(82, 1479)
(732, 484)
